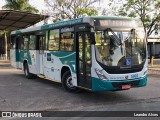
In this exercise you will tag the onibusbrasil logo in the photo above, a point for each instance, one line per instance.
(21, 114)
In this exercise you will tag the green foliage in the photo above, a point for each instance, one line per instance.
(69, 9)
(21, 5)
(88, 12)
(147, 10)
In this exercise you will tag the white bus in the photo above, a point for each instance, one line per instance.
(98, 53)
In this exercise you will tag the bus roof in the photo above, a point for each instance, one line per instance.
(69, 22)
(112, 17)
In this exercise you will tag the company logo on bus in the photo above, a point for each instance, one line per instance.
(126, 77)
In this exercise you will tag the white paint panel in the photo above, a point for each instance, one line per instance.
(34, 67)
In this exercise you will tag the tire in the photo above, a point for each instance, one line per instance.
(27, 73)
(66, 82)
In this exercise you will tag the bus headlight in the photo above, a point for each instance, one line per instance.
(100, 74)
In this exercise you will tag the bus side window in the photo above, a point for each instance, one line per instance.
(46, 40)
(18, 42)
(41, 47)
(80, 46)
(41, 43)
(13, 42)
(26, 40)
(67, 41)
(32, 42)
(53, 43)
(22, 43)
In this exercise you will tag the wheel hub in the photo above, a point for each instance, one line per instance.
(69, 82)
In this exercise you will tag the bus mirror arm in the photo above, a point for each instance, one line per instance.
(92, 38)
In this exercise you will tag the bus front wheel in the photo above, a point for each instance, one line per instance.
(26, 72)
(67, 82)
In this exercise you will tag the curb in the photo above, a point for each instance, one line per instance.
(4, 61)
(153, 71)
(154, 67)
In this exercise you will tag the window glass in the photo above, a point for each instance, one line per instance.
(41, 42)
(26, 39)
(87, 49)
(53, 43)
(46, 41)
(51, 37)
(32, 42)
(120, 48)
(84, 44)
(22, 43)
(13, 42)
(18, 42)
(67, 41)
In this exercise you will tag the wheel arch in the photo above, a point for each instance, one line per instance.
(64, 69)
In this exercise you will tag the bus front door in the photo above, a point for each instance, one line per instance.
(41, 41)
(84, 60)
(18, 51)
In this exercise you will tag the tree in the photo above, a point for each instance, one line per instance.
(68, 9)
(147, 10)
(112, 9)
(21, 5)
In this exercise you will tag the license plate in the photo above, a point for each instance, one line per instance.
(124, 87)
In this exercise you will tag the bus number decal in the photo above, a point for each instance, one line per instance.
(134, 76)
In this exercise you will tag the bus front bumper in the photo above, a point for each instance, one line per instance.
(110, 85)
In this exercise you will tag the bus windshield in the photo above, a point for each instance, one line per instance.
(120, 47)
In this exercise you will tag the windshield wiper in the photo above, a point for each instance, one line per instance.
(114, 37)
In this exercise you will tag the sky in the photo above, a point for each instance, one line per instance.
(40, 6)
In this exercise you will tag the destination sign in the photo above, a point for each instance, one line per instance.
(115, 23)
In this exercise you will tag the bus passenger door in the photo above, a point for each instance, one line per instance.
(84, 60)
(18, 51)
(41, 45)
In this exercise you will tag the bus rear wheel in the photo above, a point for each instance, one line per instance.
(67, 82)
(27, 73)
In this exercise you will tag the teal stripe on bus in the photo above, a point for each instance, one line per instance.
(67, 58)
(62, 23)
(106, 85)
(25, 57)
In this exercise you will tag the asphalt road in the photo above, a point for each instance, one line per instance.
(20, 94)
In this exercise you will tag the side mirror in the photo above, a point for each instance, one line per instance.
(133, 31)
